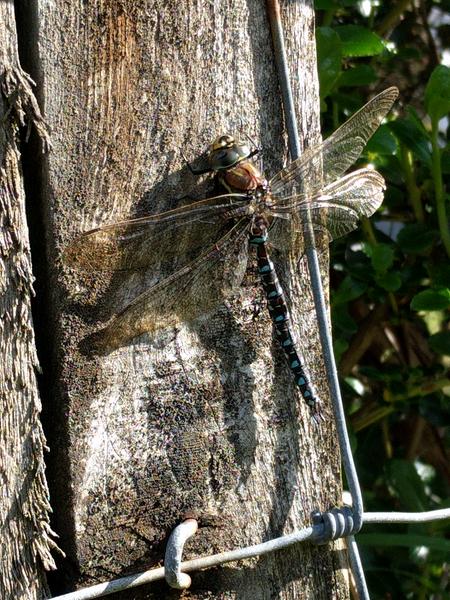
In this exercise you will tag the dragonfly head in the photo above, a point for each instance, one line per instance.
(226, 152)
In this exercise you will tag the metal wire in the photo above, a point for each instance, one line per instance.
(407, 517)
(124, 583)
(312, 534)
(273, 9)
(314, 269)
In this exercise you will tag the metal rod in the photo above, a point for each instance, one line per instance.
(273, 9)
(314, 269)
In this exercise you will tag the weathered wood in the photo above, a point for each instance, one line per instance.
(205, 419)
(26, 538)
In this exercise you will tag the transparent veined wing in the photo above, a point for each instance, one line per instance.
(193, 290)
(140, 243)
(322, 164)
(334, 211)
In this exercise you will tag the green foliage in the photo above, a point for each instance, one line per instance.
(358, 41)
(328, 57)
(417, 238)
(437, 93)
(411, 133)
(390, 285)
(440, 342)
(431, 300)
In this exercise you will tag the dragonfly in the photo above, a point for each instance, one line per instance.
(209, 240)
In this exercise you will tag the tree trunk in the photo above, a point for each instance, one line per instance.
(203, 419)
(24, 505)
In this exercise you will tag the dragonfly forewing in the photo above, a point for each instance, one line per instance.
(323, 164)
(193, 290)
(147, 241)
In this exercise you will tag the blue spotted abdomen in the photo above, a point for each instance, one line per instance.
(279, 313)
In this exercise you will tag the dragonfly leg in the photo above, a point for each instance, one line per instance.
(195, 171)
(257, 149)
(254, 152)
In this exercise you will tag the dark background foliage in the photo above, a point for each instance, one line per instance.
(391, 281)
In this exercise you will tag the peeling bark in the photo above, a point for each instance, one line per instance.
(26, 537)
(204, 419)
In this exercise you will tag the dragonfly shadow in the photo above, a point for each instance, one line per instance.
(105, 295)
(236, 352)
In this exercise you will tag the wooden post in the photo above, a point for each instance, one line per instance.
(26, 537)
(203, 420)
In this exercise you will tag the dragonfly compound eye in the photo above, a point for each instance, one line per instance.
(224, 158)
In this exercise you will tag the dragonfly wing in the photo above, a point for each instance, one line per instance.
(324, 163)
(140, 243)
(188, 293)
(333, 212)
(338, 208)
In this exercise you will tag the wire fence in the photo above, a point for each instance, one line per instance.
(172, 563)
(327, 526)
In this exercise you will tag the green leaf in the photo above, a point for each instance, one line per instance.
(445, 161)
(381, 256)
(339, 347)
(358, 265)
(390, 281)
(433, 299)
(437, 93)
(348, 290)
(342, 321)
(416, 238)
(382, 142)
(407, 485)
(413, 137)
(328, 58)
(324, 4)
(440, 275)
(440, 342)
(359, 75)
(359, 41)
(386, 375)
(390, 165)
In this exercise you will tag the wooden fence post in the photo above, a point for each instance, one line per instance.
(203, 420)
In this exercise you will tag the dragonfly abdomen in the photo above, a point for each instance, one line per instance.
(280, 316)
